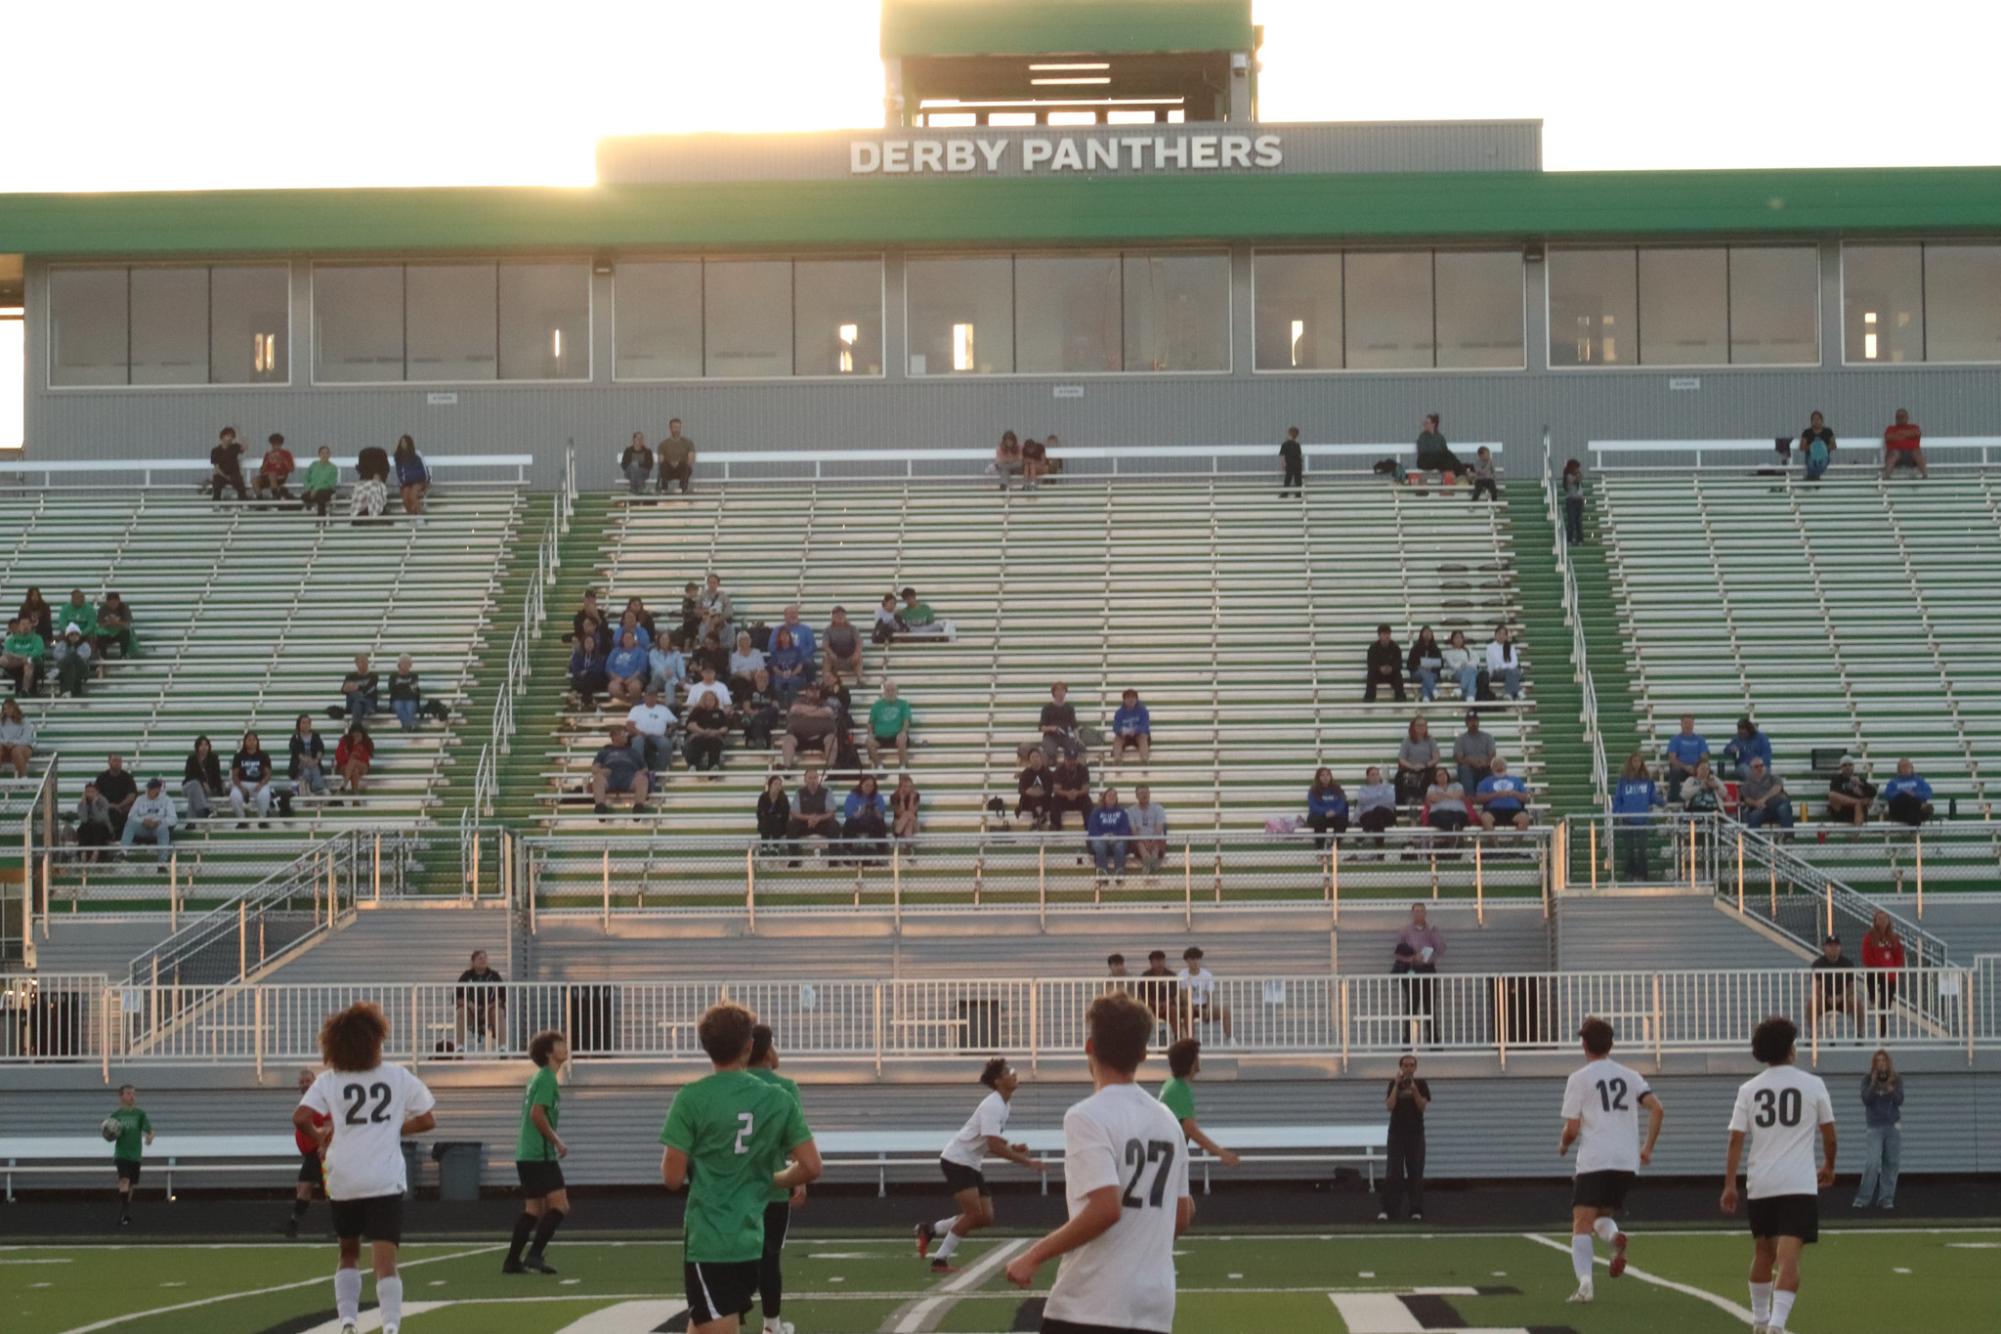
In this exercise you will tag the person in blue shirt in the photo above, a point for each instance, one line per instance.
(1132, 728)
(1685, 749)
(791, 667)
(1633, 800)
(1109, 831)
(1502, 798)
(627, 670)
(413, 478)
(667, 669)
(587, 665)
(1908, 795)
(865, 820)
(803, 637)
(1326, 808)
(1749, 744)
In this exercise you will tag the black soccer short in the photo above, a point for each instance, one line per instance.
(1072, 1327)
(378, 1218)
(960, 1177)
(718, 1289)
(1786, 1216)
(128, 1169)
(310, 1171)
(1601, 1190)
(539, 1179)
(777, 1223)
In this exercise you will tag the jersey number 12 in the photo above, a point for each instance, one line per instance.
(1612, 1094)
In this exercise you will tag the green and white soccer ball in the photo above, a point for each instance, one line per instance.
(110, 1129)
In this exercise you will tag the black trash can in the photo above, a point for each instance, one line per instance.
(458, 1168)
(410, 1161)
(980, 1021)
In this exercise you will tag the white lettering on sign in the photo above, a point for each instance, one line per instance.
(1067, 153)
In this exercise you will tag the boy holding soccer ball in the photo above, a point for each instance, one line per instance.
(129, 1130)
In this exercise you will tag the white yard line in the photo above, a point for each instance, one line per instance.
(1723, 1304)
(921, 1315)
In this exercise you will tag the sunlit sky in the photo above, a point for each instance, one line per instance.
(130, 96)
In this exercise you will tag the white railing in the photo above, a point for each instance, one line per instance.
(1855, 455)
(1329, 1017)
(39, 841)
(174, 472)
(1573, 617)
(55, 1018)
(1898, 859)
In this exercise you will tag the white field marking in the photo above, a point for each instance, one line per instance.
(44, 1260)
(1366, 1273)
(1900, 1271)
(1386, 1313)
(1723, 1304)
(41, 1285)
(839, 1255)
(571, 1282)
(437, 1283)
(918, 1315)
(836, 1279)
(1500, 1273)
(1959, 1246)
(176, 1284)
(371, 1319)
(625, 1317)
(111, 1321)
(1235, 1275)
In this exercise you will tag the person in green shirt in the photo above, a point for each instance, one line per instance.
(538, 1152)
(778, 1208)
(321, 481)
(889, 725)
(734, 1132)
(135, 1131)
(22, 653)
(77, 612)
(1184, 1062)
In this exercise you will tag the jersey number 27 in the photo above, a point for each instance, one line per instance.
(1138, 1155)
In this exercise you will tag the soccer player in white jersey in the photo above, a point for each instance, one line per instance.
(1126, 1178)
(373, 1107)
(983, 1134)
(1601, 1115)
(1776, 1115)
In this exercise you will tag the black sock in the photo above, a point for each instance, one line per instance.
(551, 1220)
(523, 1225)
(299, 1208)
(771, 1285)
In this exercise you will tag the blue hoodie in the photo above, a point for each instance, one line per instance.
(1113, 823)
(1132, 721)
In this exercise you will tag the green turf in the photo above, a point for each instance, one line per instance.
(1945, 1282)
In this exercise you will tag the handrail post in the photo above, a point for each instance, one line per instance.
(1740, 873)
(1827, 896)
(257, 1020)
(1344, 1016)
(604, 881)
(1187, 883)
(173, 892)
(1772, 883)
(475, 866)
(1479, 883)
(750, 885)
(1691, 854)
(1594, 856)
(1334, 881)
(1501, 1020)
(242, 940)
(1921, 876)
(1659, 1020)
(375, 870)
(896, 885)
(1034, 1026)
(1042, 885)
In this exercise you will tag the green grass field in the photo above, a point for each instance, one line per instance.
(1857, 1282)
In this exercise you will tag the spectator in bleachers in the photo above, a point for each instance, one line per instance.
(652, 726)
(691, 613)
(1459, 659)
(1816, 446)
(1375, 802)
(745, 662)
(889, 727)
(322, 479)
(79, 613)
(201, 780)
(1504, 664)
(810, 726)
(627, 669)
(114, 627)
(791, 667)
(1903, 446)
(1292, 458)
(1849, 796)
(1445, 806)
(844, 647)
(1069, 790)
(1685, 749)
(406, 693)
(1115, 966)
(1032, 788)
(1502, 798)
(1108, 833)
(481, 1003)
(1703, 793)
(1433, 454)
(1149, 820)
(616, 768)
(1834, 982)
(226, 464)
(371, 485)
(17, 738)
(667, 668)
(1423, 662)
(151, 820)
(1484, 480)
(413, 479)
(1573, 502)
(889, 622)
(919, 621)
(38, 611)
(758, 711)
(1762, 799)
(709, 656)
(1034, 462)
(1197, 987)
(93, 824)
(708, 729)
(307, 758)
(1908, 796)
(587, 610)
(274, 470)
(1419, 942)
(1749, 744)
(630, 623)
(1882, 963)
(353, 757)
(803, 637)
(1473, 751)
(115, 785)
(904, 803)
(865, 821)
(718, 610)
(1417, 756)
(641, 617)
(709, 687)
(1132, 728)
(774, 816)
(361, 690)
(588, 674)
(1058, 725)
(21, 655)
(1007, 462)
(1385, 666)
(813, 812)
(1633, 801)
(636, 463)
(71, 657)
(676, 458)
(1326, 808)
(250, 781)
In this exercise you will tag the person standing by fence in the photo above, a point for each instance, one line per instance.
(1883, 1108)
(1403, 1174)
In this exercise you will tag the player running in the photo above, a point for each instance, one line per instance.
(778, 1208)
(962, 1161)
(1776, 1113)
(1126, 1180)
(130, 1130)
(538, 1152)
(369, 1108)
(733, 1133)
(1601, 1115)
(311, 1171)
(1184, 1062)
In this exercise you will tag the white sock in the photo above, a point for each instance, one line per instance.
(1761, 1303)
(947, 1246)
(347, 1294)
(943, 1225)
(1782, 1307)
(1580, 1258)
(389, 1295)
(1605, 1229)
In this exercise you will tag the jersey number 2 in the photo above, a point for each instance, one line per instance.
(1138, 1155)
(356, 1097)
(746, 1123)
(1612, 1094)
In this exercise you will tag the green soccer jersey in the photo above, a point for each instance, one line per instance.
(1179, 1098)
(736, 1130)
(533, 1146)
(133, 1127)
(778, 1193)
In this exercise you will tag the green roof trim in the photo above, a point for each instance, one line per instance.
(1063, 27)
(953, 211)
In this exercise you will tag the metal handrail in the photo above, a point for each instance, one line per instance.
(325, 879)
(1835, 905)
(1574, 618)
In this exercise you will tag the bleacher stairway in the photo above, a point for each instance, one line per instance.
(413, 942)
(1649, 930)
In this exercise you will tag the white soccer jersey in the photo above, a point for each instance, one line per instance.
(1780, 1114)
(365, 1158)
(969, 1147)
(1124, 1278)
(1605, 1096)
(1200, 984)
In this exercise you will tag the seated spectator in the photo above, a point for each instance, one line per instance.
(667, 669)
(651, 723)
(1504, 664)
(1132, 728)
(1417, 756)
(745, 662)
(903, 806)
(201, 780)
(844, 647)
(1058, 725)
(1908, 796)
(636, 463)
(307, 757)
(708, 729)
(1007, 463)
(361, 689)
(1445, 806)
(1849, 796)
(1903, 446)
(889, 727)
(1034, 462)
(17, 737)
(1423, 661)
(406, 693)
(371, 485)
(709, 655)
(1198, 992)
(1473, 751)
(1816, 447)
(226, 466)
(1685, 749)
(413, 479)
(78, 612)
(676, 458)
(1326, 808)
(774, 816)
(1704, 793)
(1375, 802)
(116, 786)
(151, 820)
(627, 669)
(71, 657)
(758, 711)
(919, 621)
(1464, 665)
(718, 611)
(21, 655)
(353, 759)
(616, 768)
(589, 669)
(691, 613)
(250, 781)
(1069, 790)
(274, 470)
(481, 1003)
(803, 638)
(1749, 744)
(810, 727)
(1834, 981)
(587, 610)
(1032, 785)
(1633, 801)
(710, 688)
(1433, 453)
(635, 607)
(1108, 831)
(93, 824)
(791, 667)
(1385, 665)
(888, 622)
(1149, 820)
(865, 821)
(316, 491)
(1502, 798)
(1762, 799)
(114, 628)
(629, 623)
(38, 612)
(1483, 475)
(813, 812)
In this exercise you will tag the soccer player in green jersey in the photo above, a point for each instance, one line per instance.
(135, 1131)
(537, 1159)
(778, 1210)
(1184, 1062)
(735, 1132)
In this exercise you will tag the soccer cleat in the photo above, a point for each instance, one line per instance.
(944, 1267)
(535, 1264)
(512, 1267)
(391, 1329)
(1761, 1329)
(1582, 1297)
(347, 1327)
(1618, 1254)
(1383, 1217)
(923, 1231)
(778, 1327)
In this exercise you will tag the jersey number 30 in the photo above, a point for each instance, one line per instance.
(1781, 1110)
(1138, 1155)
(356, 1097)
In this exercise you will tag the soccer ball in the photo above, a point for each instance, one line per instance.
(110, 1129)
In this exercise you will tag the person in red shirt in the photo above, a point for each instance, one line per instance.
(275, 470)
(1882, 960)
(1903, 446)
(311, 1172)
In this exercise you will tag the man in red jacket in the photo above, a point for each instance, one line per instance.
(311, 1173)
